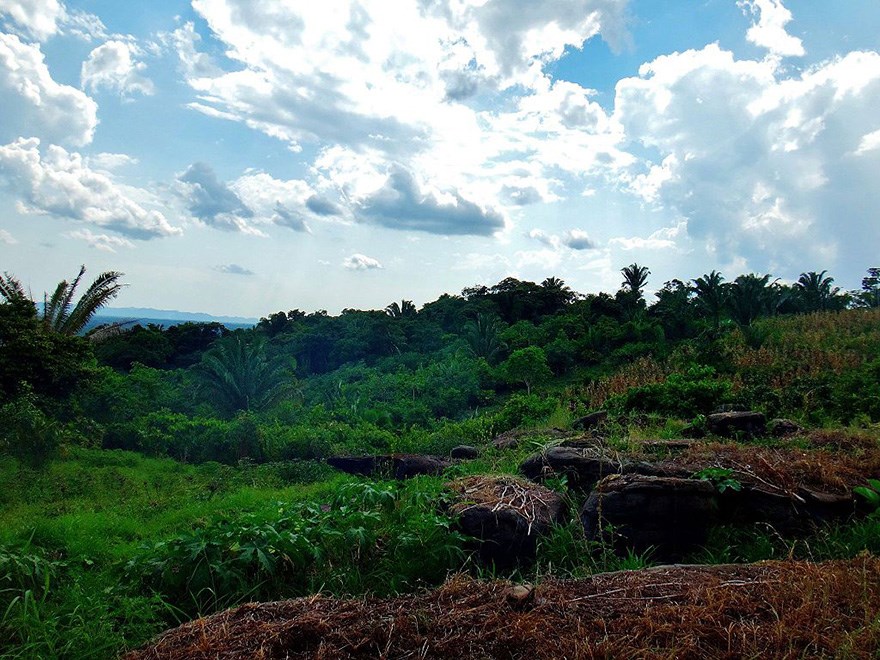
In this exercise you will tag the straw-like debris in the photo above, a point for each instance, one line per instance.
(772, 609)
(505, 514)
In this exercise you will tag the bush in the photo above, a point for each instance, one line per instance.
(522, 410)
(697, 391)
(27, 433)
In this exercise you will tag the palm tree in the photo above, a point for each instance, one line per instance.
(405, 309)
(711, 295)
(57, 315)
(752, 296)
(634, 279)
(238, 375)
(481, 335)
(815, 290)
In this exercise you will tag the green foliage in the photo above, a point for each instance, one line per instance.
(722, 478)
(524, 410)
(697, 390)
(526, 365)
(870, 493)
(368, 537)
(237, 374)
(27, 433)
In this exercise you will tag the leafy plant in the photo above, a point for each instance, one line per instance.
(722, 478)
(870, 493)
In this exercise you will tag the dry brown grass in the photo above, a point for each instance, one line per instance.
(534, 502)
(638, 373)
(768, 610)
(788, 468)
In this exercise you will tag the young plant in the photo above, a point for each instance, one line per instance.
(721, 478)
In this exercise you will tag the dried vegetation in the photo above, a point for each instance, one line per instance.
(773, 609)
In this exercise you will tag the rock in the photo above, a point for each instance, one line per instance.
(693, 432)
(731, 424)
(505, 516)
(398, 466)
(591, 421)
(581, 467)
(519, 596)
(411, 465)
(667, 516)
(364, 466)
(787, 513)
(464, 451)
(782, 428)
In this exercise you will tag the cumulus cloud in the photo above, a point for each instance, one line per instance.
(41, 19)
(212, 201)
(435, 98)
(57, 182)
(113, 65)
(402, 204)
(103, 242)
(234, 269)
(574, 239)
(34, 104)
(578, 239)
(760, 162)
(361, 262)
(769, 32)
(38, 18)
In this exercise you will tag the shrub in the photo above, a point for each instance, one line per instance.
(696, 391)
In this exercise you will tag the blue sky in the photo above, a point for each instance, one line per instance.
(235, 157)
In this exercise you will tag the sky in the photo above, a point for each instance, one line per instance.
(239, 158)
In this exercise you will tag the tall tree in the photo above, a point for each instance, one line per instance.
(59, 313)
(482, 336)
(711, 295)
(752, 296)
(815, 292)
(236, 374)
(869, 296)
(634, 279)
(405, 309)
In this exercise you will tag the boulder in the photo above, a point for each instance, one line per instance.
(398, 466)
(592, 421)
(464, 452)
(782, 428)
(505, 516)
(787, 512)
(581, 467)
(667, 516)
(732, 424)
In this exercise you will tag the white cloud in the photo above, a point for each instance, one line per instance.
(102, 242)
(769, 32)
(758, 161)
(57, 182)
(113, 66)
(574, 239)
(344, 76)
(42, 19)
(38, 18)
(6, 237)
(361, 262)
(212, 202)
(34, 104)
(402, 203)
(234, 269)
(662, 239)
(869, 142)
(292, 203)
(578, 239)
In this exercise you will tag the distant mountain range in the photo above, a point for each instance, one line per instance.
(166, 317)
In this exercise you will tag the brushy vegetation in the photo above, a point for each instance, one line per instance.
(161, 474)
